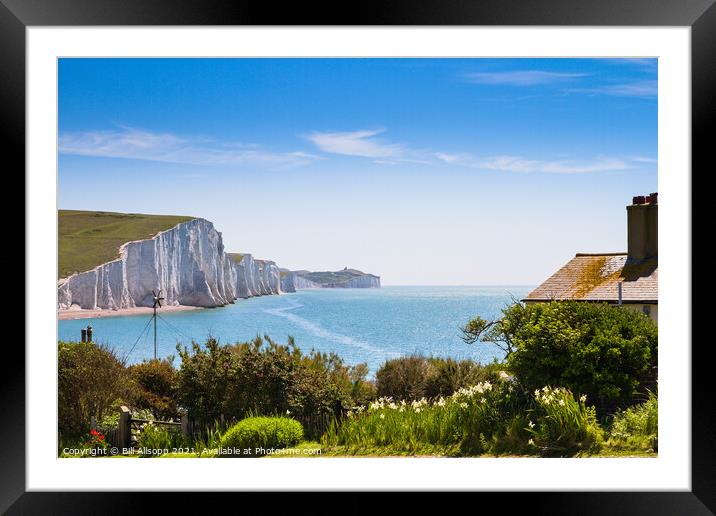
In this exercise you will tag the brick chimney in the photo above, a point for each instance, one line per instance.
(642, 227)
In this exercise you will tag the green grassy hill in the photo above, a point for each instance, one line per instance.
(90, 238)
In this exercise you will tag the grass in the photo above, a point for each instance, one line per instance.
(90, 238)
(237, 257)
(484, 419)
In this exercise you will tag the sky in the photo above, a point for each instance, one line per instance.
(423, 171)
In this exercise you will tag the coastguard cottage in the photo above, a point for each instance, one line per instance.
(629, 279)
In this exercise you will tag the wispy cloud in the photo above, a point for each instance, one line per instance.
(521, 77)
(645, 89)
(131, 143)
(357, 143)
(524, 165)
(363, 143)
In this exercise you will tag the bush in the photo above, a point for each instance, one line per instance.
(263, 377)
(636, 428)
(415, 376)
(263, 432)
(564, 425)
(155, 388)
(403, 378)
(605, 352)
(92, 382)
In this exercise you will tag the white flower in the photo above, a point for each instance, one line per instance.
(382, 416)
(463, 404)
(288, 412)
(417, 410)
(531, 442)
(561, 402)
(583, 398)
(532, 425)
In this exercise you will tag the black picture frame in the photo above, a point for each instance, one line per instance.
(700, 15)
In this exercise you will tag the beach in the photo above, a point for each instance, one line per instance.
(64, 315)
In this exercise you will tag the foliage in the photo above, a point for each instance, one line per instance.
(467, 420)
(263, 432)
(484, 418)
(92, 382)
(605, 352)
(415, 376)
(636, 428)
(564, 425)
(263, 377)
(155, 388)
(158, 439)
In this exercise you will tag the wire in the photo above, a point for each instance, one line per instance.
(174, 328)
(140, 336)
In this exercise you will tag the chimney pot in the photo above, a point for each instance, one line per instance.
(642, 227)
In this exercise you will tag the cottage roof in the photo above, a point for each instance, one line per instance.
(595, 277)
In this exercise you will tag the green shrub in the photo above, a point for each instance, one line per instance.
(403, 378)
(263, 377)
(636, 428)
(155, 388)
(92, 382)
(263, 432)
(415, 377)
(605, 352)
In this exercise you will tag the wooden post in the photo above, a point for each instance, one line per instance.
(125, 427)
(185, 427)
(89, 333)
(84, 335)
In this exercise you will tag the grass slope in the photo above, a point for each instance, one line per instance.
(90, 238)
(237, 257)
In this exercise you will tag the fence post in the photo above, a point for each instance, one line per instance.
(185, 427)
(125, 427)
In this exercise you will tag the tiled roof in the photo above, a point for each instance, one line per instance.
(594, 277)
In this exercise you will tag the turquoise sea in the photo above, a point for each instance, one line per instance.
(360, 325)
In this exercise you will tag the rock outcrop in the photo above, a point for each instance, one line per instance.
(187, 263)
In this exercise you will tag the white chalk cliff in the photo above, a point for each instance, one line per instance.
(187, 263)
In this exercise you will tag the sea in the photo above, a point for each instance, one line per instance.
(369, 325)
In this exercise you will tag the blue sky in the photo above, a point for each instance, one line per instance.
(424, 171)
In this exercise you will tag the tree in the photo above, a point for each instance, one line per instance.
(92, 382)
(606, 352)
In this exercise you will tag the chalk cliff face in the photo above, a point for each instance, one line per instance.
(291, 281)
(346, 278)
(187, 263)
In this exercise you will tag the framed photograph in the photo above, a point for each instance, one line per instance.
(416, 250)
